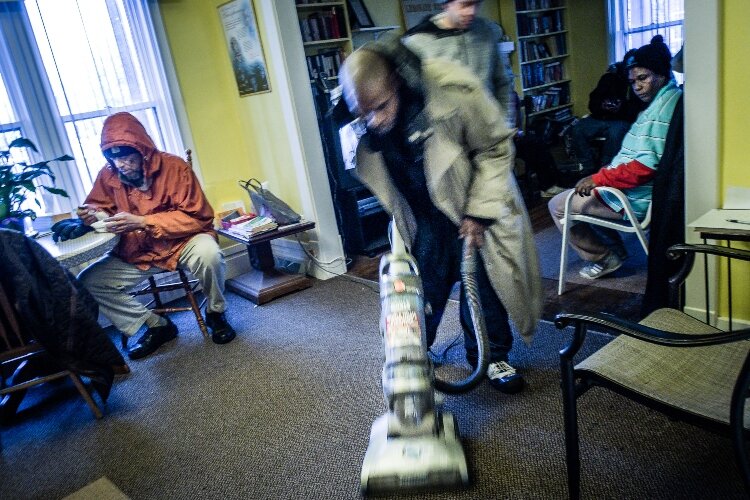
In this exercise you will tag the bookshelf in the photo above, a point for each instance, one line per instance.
(326, 36)
(542, 40)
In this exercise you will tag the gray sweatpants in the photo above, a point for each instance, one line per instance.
(110, 280)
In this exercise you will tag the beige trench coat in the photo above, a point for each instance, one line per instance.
(468, 167)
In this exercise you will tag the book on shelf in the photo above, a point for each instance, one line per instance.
(320, 26)
(536, 4)
(325, 63)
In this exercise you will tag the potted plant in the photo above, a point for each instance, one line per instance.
(17, 184)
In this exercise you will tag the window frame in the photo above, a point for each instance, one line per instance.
(37, 111)
(619, 31)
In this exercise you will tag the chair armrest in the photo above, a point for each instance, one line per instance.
(651, 335)
(625, 204)
(689, 251)
(675, 251)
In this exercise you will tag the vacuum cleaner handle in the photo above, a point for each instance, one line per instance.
(468, 276)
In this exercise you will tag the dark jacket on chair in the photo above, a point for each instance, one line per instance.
(667, 215)
(56, 310)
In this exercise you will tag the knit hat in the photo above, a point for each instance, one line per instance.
(119, 151)
(654, 56)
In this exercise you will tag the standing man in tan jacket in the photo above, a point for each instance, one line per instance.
(435, 149)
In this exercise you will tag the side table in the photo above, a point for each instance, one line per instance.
(722, 224)
(72, 253)
(264, 282)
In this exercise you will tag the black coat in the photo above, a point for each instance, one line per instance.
(667, 215)
(56, 310)
(613, 86)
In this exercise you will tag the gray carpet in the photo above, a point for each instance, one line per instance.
(285, 412)
(631, 277)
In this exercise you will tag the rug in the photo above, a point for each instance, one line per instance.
(631, 277)
(284, 413)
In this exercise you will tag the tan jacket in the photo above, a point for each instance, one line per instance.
(174, 205)
(468, 167)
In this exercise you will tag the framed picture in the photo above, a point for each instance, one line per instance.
(245, 49)
(358, 15)
(416, 10)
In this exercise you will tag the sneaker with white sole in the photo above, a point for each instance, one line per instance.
(609, 264)
(504, 377)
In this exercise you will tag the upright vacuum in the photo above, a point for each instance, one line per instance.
(415, 445)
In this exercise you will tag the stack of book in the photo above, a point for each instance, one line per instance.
(256, 225)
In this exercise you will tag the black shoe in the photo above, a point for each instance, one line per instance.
(152, 339)
(221, 331)
(505, 378)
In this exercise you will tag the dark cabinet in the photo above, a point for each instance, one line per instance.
(362, 222)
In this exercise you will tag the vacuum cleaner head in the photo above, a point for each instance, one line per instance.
(435, 460)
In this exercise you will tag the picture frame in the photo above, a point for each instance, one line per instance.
(245, 50)
(359, 17)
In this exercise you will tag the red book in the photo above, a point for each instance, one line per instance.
(335, 30)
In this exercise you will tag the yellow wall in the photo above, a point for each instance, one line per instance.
(735, 109)
(234, 137)
(588, 39)
(736, 99)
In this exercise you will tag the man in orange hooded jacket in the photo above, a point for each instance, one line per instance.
(154, 202)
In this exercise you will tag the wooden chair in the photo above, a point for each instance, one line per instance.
(184, 283)
(670, 362)
(17, 349)
(632, 225)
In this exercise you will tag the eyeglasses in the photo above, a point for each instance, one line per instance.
(131, 159)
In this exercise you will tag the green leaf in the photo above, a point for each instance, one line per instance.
(57, 191)
(41, 165)
(64, 158)
(27, 176)
(22, 142)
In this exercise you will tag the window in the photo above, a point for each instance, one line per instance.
(77, 62)
(634, 22)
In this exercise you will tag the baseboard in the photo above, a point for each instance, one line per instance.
(720, 322)
(288, 254)
(235, 256)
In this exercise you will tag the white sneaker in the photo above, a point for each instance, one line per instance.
(609, 264)
(552, 191)
(504, 377)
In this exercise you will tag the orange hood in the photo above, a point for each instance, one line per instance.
(124, 129)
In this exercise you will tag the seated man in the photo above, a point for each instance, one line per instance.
(631, 171)
(613, 109)
(154, 202)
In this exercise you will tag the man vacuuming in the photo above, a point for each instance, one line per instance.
(436, 151)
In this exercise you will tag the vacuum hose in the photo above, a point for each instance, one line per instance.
(468, 277)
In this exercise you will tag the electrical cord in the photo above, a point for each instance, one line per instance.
(347, 261)
(442, 357)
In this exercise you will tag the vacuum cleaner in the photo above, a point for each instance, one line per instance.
(415, 445)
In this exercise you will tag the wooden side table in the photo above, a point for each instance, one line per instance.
(264, 282)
